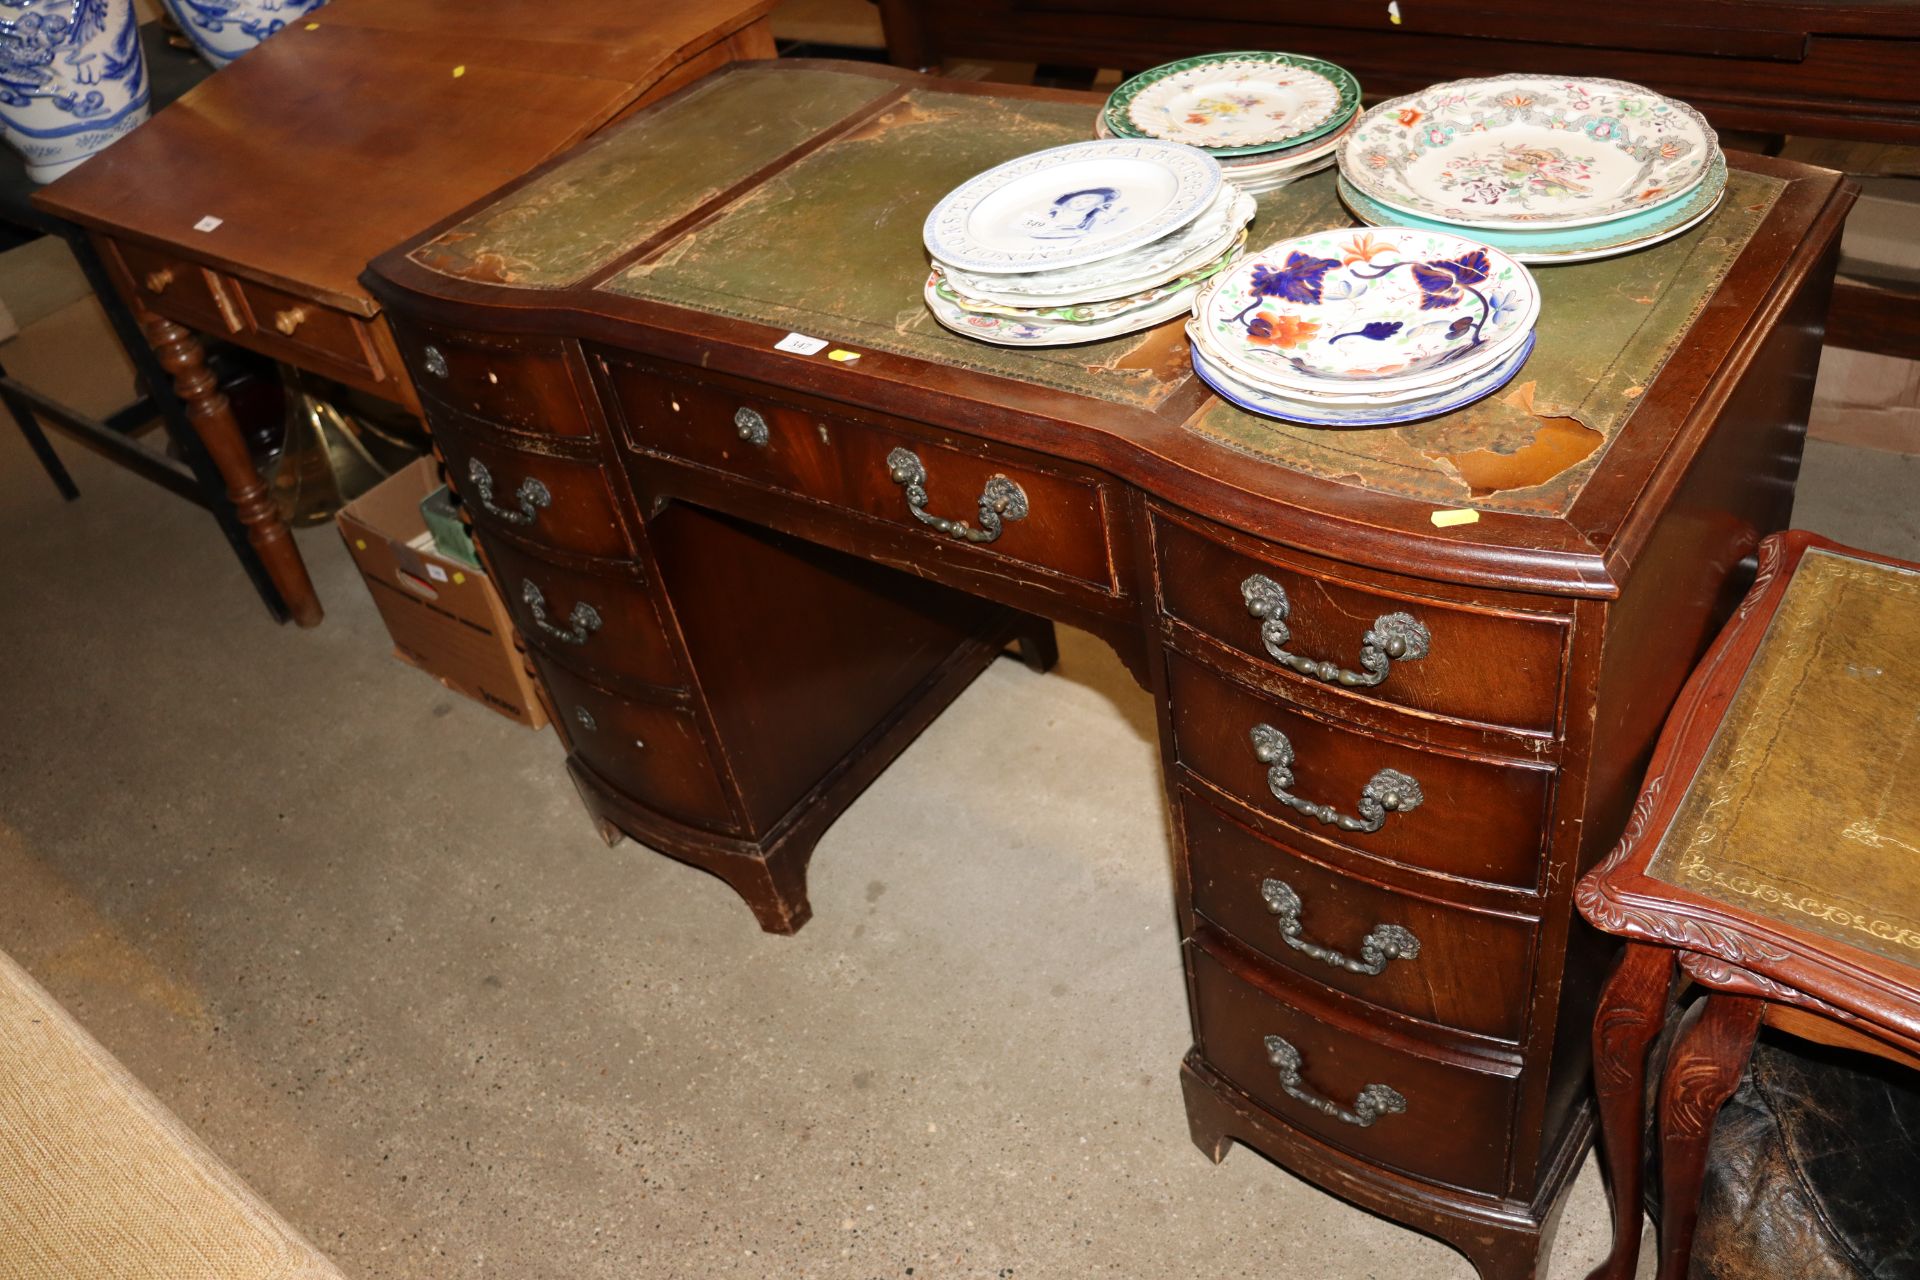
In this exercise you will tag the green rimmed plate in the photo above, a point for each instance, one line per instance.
(1235, 104)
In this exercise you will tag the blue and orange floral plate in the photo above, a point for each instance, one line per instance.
(1376, 316)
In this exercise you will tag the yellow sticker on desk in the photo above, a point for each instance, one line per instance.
(458, 577)
(1457, 515)
(459, 71)
(313, 26)
(843, 356)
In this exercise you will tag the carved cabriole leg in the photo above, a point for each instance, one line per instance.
(212, 417)
(1633, 1007)
(1708, 1058)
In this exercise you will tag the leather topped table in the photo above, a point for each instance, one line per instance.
(750, 576)
(248, 208)
(1770, 858)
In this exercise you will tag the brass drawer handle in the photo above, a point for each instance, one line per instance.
(290, 319)
(1388, 791)
(157, 281)
(1383, 944)
(750, 426)
(583, 621)
(585, 719)
(434, 362)
(532, 495)
(1375, 1100)
(1395, 637)
(1000, 501)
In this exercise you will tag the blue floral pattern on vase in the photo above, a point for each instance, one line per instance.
(222, 30)
(72, 79)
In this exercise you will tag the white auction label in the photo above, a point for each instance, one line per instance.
(801, 345)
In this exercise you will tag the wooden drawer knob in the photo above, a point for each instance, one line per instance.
(157, 281)
(289, 320)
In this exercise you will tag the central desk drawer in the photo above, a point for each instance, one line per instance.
(1456, 814)
(593, 620)
(954, 491)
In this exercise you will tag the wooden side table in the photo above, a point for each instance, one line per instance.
(247, 209)
(1771, 858)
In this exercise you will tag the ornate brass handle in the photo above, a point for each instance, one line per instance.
(1395, 637)
(1388, 791)
(1000, 501)
(585, 719)
(1383, 943)
(1375, 1100)
(532, 495)
(157, 281)
(583, 621)
(434, 361)
(750, 426)
(290, 319)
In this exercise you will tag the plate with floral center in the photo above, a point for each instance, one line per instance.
(1235, 103)
(1388, 307)
(1522, 151)
(1072, 205)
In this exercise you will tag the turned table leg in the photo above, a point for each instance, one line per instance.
(1704, 1067)
(1633, 1007)
(212, 417)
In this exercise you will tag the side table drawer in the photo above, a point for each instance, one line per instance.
(521, 381)
(596, 621)
(1381, 796)
(564, 503)
(1046, 518)
(1470, 664)
(1431, 1116)
(1442, 964)
(652, 753)
(177, 288)
(318, 335)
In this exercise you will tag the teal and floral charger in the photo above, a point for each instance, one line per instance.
(1552, 169)
(1268, 117)
(1362, 328)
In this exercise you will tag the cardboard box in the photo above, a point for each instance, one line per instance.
(444, 616)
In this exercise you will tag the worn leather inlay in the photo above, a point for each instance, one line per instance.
(1803, 809)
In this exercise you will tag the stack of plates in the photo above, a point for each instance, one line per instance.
(1547, 169)
(1364, 328)
(1082, 242)
(1268, 118)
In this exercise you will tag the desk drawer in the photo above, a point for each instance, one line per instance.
(1461, 816)
(598, 621)
(1469, 970)
(1497, 668)
(523, 382)
(565, 503)
(654, 754)
(1433, 1116)
(312, 335)
(1049, 518)
(177, 288)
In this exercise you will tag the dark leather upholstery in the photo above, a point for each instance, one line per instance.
(1814, 1172)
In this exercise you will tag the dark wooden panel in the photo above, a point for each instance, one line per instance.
(1199, 580)
(1473, 970)
(1479, 819)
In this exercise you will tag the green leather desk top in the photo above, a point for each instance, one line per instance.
(827, 176)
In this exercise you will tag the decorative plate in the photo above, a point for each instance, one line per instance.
(1384, 307)
(1072, 205)
(1234, 103)
(1199, 242)
(1089, 312)
(1521, 151)
(1008, 331)
(1546, 246)
(1267, 404)
(1321, 148)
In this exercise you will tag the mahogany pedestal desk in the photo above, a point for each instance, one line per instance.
(750, 576)
(1771, 857)
(248, 208)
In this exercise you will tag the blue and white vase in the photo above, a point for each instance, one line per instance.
(72, 79)
(222, 30)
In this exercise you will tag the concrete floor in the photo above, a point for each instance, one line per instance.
(358, 933)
